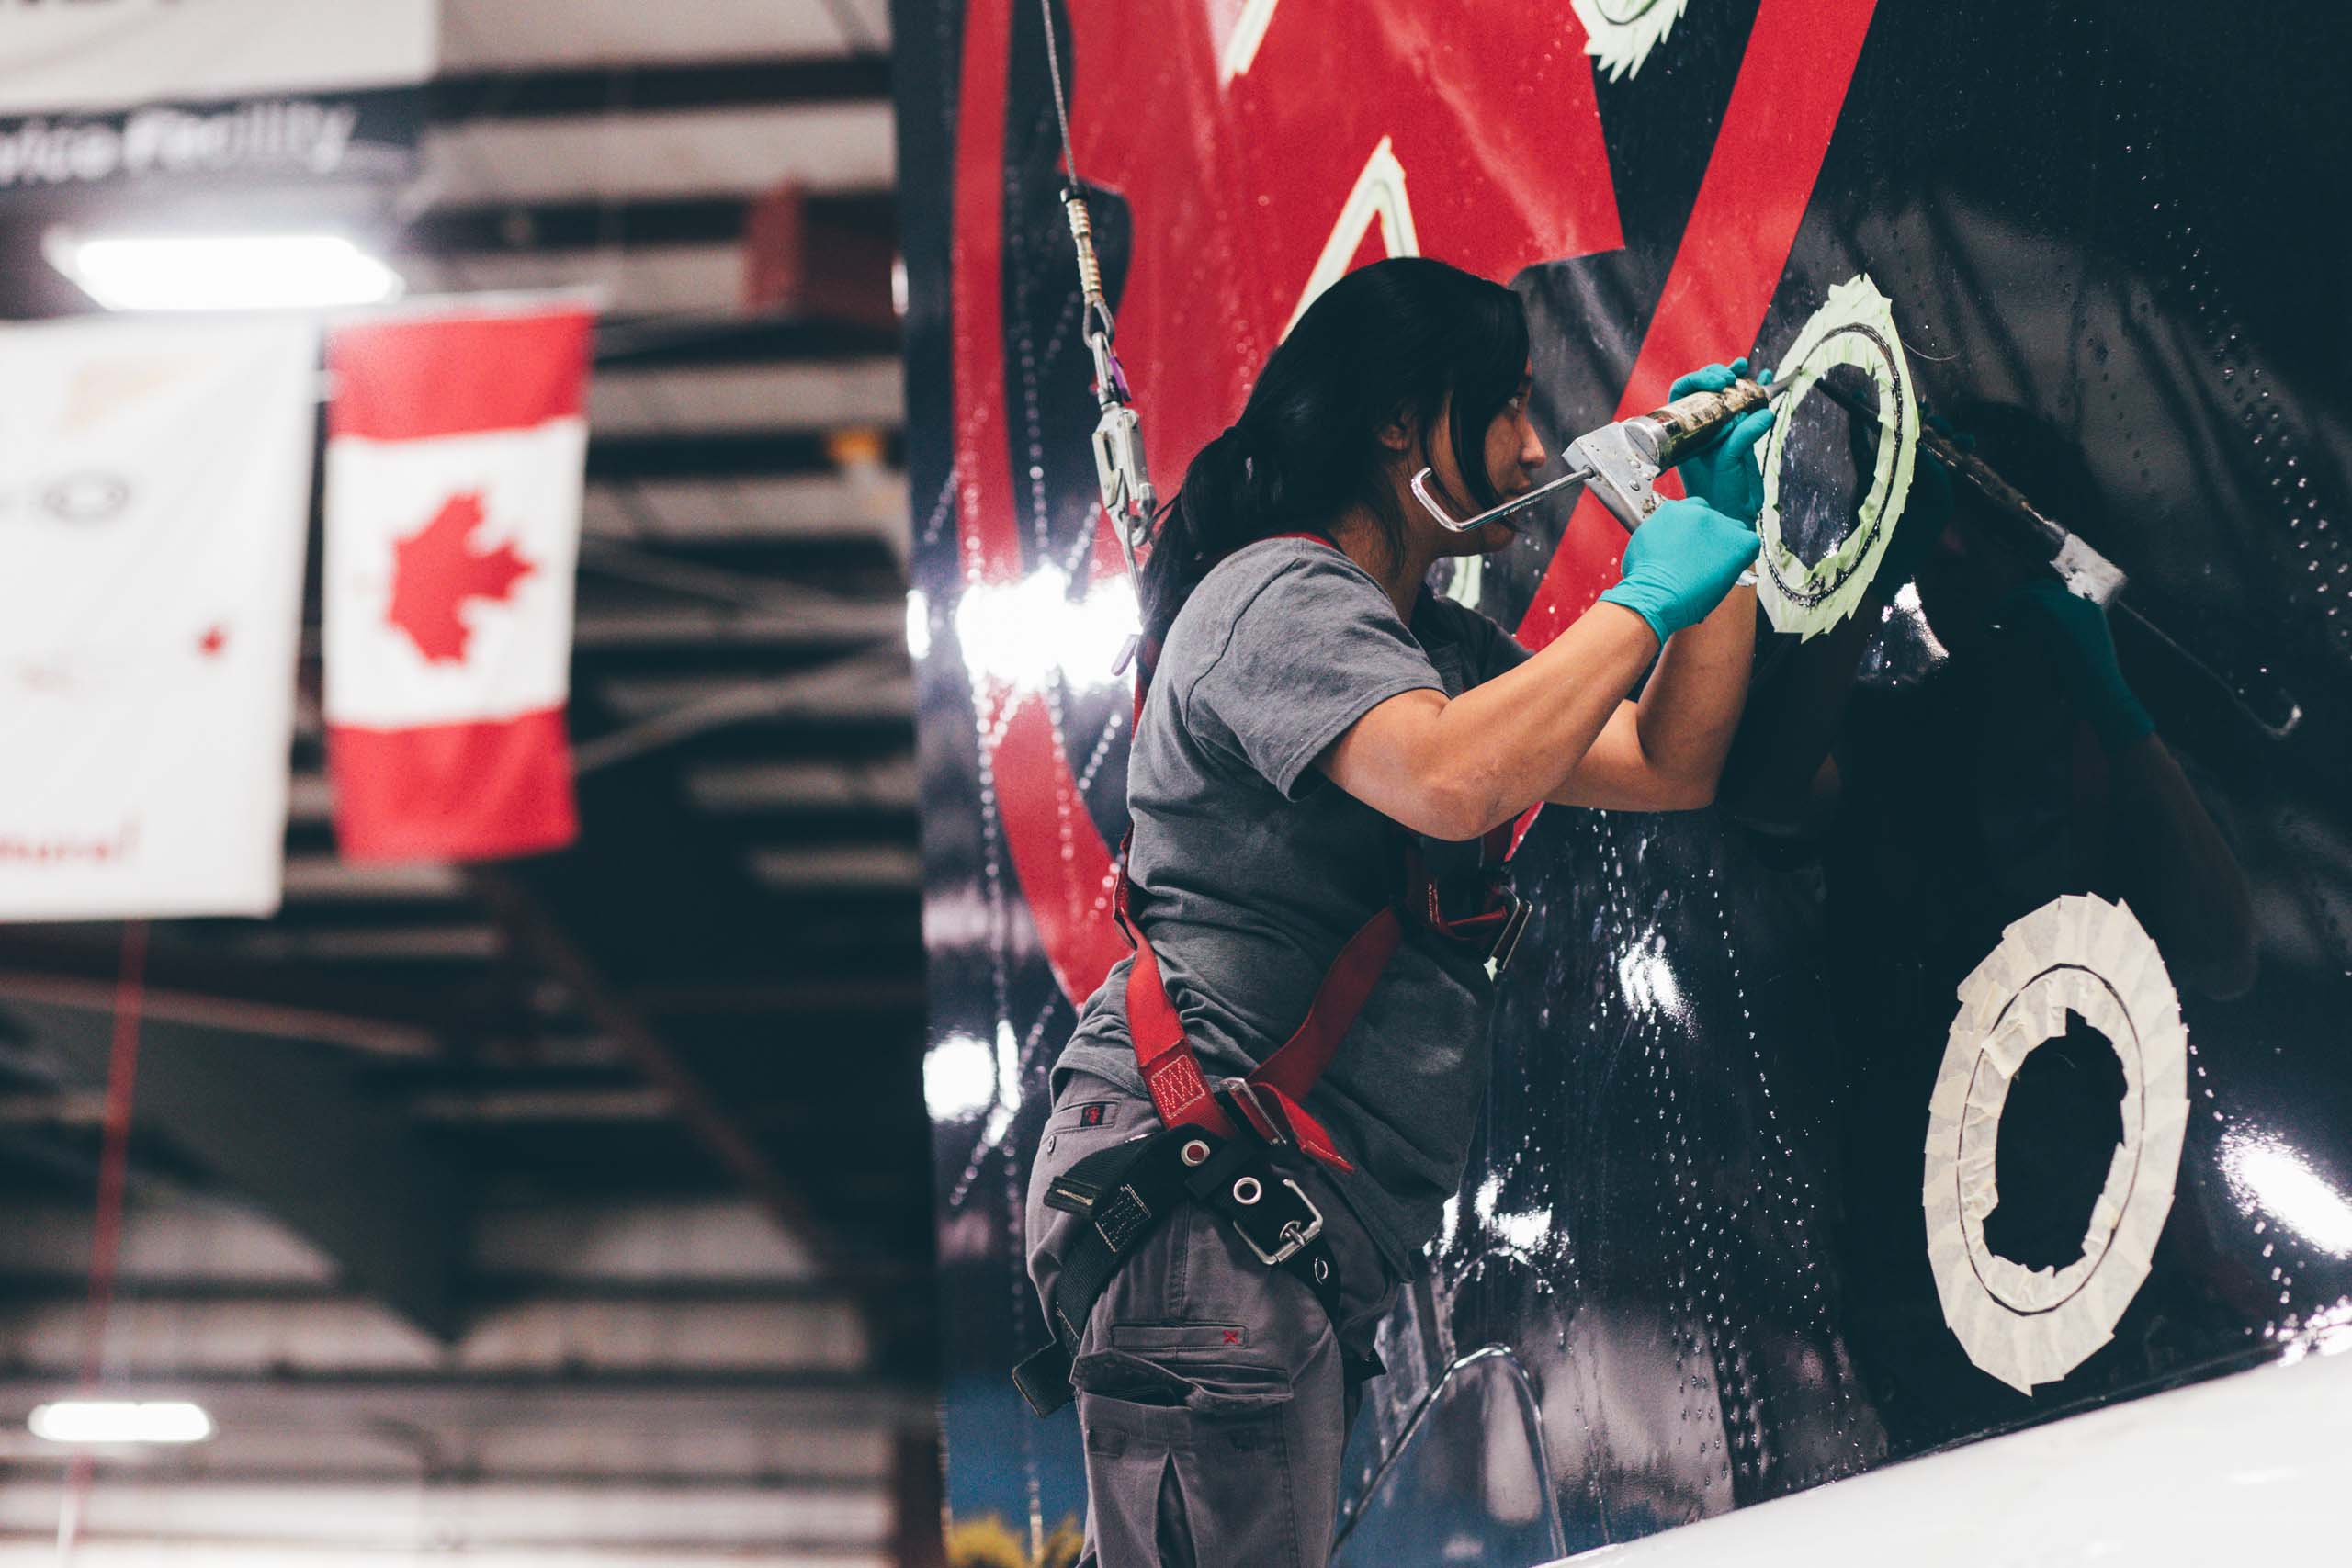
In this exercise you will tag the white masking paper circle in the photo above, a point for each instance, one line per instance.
(1620, 34)
(2079, 955)
(1855, 326)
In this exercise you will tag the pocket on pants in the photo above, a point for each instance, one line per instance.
(1211, 1471)
(1139, 1515)
(1174, 1380)
(1184, 1338)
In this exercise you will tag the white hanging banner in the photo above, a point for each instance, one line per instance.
(154, 492)
(106, 54)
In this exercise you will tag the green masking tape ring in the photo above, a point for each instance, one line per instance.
(1855, 326)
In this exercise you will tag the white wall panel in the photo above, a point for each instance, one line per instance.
(635, 280)
(748, 396)
(799, 506)
(624, 157)
(506, 35)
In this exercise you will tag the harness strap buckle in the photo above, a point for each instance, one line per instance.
(1241, 1100)
(1120, 1217)
(1506, 946)
(1290, 1235)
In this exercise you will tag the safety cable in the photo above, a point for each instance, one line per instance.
(1128, 498)
(1061, 105)
(1081, 222)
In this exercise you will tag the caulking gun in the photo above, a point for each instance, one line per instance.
(1620, 463)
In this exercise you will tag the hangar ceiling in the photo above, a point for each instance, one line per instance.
(577, 1204)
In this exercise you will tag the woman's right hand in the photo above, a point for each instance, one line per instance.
(1724, 471)
(1680, 563)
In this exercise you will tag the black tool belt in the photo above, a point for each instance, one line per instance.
(1125, 1191)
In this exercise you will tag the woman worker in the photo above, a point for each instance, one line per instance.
(1321, 736)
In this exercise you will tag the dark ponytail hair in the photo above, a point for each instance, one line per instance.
(1405, 338)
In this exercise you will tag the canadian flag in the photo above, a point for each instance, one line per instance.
(456, 454)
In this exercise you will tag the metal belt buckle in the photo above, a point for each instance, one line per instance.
(1293, 1236)
(1251, 1112)
(1498, 957)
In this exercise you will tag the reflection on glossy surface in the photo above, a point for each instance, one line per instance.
(1691, 1230)
(1482, 1495)
(2273, 1179)
(1824, 472)
(1022, 636)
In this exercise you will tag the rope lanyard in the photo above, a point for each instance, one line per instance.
(1128, 498)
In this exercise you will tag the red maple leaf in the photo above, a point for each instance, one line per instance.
(437, 569)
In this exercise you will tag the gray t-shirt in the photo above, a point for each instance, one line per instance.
(1254, 869)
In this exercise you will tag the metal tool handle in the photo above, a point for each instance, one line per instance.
(1691, 419)
(1448, 521)
(2084, 569)
(2262, 700)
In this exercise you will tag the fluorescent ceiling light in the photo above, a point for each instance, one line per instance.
(221, 272)
(120, 1421)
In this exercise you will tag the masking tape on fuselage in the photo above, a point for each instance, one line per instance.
(2081, 954)
(1620, 34)
(1855, 326)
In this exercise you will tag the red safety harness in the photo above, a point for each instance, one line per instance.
(1121, 1192)
(1272, 1100)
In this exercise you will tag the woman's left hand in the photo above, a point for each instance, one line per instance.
(1725, 473)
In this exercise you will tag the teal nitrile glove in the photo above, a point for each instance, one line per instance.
(2074, 630)
(1680, 563)
(1725, 473)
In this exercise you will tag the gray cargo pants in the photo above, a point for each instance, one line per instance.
(1211, 1390)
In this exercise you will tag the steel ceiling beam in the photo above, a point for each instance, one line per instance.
(591, 226)
(736, 340)
(497, 1288)
(692, 454)
(213, 1476)
(286, 1124)
(820, 510)
(291, 1020)
(759, 1399)
(538, 932)
(663, 716)
(194, 979)
(713, 999)
(648, 89)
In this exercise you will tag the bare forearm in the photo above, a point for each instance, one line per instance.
(1513, 742)
(1689, 711)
